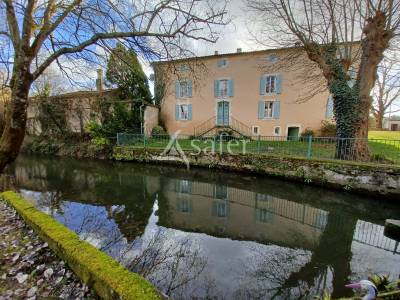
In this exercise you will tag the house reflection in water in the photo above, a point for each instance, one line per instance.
(235, 237)
(239, 214)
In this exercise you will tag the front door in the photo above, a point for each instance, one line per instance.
(223, 113)
(293, 133)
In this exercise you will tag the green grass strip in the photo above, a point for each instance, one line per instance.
(106, 276)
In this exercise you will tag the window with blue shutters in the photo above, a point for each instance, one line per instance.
(183, 112)
(220, 208)
(270, 84)
(272, 58)
(223, 88)
(268, 110)
(183, 88)
(222, 63)
(183, 186)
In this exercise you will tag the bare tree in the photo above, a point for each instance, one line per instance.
(387, 90)
(338, 36)
(40, 33)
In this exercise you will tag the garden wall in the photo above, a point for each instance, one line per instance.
(382, 180)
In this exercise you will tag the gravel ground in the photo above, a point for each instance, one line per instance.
(28, 267)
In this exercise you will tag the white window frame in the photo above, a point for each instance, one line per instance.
(272, 109)
(225, 95)
(184, 93)
(274, 132)
(258, 130)
(266, 85)
(182, 113)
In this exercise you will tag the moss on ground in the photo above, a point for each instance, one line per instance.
(107, 277)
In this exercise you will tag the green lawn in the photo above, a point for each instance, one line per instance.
(381, 144)
(391, 135)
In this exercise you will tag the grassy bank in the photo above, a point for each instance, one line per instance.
(381, 150)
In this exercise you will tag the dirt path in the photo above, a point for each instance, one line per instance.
(28, 267)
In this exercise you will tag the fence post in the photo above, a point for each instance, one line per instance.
(117, 138)
(220, 143)
(309, 146)
(258, 143)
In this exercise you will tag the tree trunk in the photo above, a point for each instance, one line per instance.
(379, 120)
(15, 125)
(373, 46)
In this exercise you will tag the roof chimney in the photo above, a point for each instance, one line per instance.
(239, 50)
(99, 80)
(215, 52)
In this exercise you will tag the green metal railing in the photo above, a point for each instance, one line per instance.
(380, 151)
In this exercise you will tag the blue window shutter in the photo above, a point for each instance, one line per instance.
(219, 63)
(220, 111)
(263, 84)
(276, 109)
(329, 108)
(216, 89)
(230, 88)
(190, 112)
(177, 112)
(278, 84)
(226, 113)
(177, 89)
(190, 87)
(261, 109)
(228, 209)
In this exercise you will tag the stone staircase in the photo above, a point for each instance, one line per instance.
(233, 128)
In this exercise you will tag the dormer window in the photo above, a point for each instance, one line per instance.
(222, 63)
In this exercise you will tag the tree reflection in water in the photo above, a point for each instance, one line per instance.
(265, 273)
(170, 261)
(170, 264)
(200, 235)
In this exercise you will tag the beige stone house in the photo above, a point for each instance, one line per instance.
(250, 93)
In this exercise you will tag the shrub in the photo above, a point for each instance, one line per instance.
(328, 129)
(307, 132)
(158, 130)
(94, 130)
(99, 144)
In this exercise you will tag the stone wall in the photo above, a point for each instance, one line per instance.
(80, 108)
(151, 118)
(382, 180)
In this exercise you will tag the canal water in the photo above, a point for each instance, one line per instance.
(201, 234)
